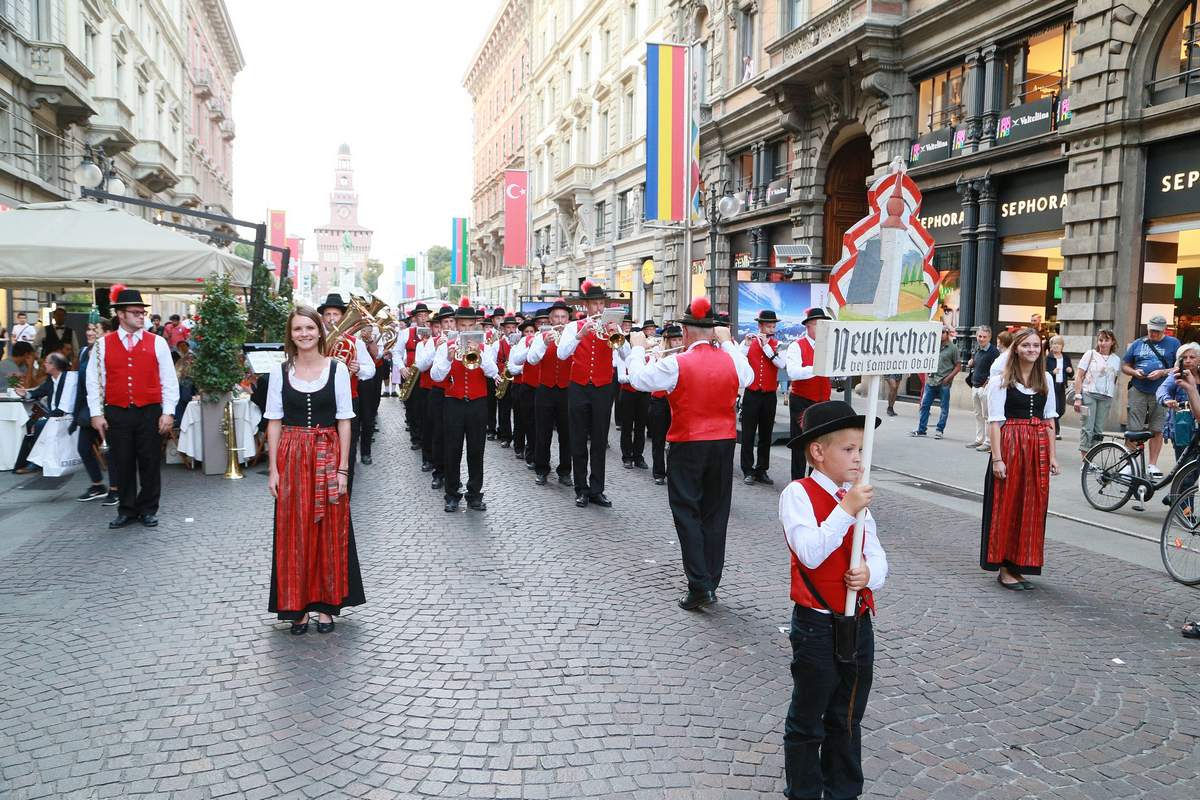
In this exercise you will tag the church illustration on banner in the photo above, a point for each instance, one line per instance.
(886, 270)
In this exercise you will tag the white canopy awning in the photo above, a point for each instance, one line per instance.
(79, 243)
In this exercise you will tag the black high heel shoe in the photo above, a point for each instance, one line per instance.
(300, 628)
(324, 627)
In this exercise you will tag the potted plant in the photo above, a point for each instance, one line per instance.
(218, 335)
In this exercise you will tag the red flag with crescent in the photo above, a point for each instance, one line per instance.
(516, 215)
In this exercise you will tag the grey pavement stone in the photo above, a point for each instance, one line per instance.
(535, 651)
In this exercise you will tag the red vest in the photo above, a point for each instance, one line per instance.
(816, 388)
(502, 351)
(465, 384)
(827, 577)
(426, 379)
(131, 376)
(410, 347)
(531, 374)
(766, 374)
(704, 396)
(592, 361)
(554, 371)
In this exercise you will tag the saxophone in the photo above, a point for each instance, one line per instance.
(503, 380)
(410, 383)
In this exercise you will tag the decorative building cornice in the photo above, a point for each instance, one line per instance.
(221, 26)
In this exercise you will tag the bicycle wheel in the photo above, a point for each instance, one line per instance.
(1179, 544)
(1106, 476)
(1186, 477)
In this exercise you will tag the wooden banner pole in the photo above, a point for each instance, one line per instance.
(865, 477)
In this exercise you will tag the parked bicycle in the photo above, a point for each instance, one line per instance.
(1113, 473)
(1179, 544)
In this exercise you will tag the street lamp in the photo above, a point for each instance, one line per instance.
(721, 205)
(542, 254)
(98, 171)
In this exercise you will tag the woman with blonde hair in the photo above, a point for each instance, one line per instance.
(1017, 487)
(314, 568)
(1171, 395)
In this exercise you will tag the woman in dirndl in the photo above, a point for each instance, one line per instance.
(314, 569)
(1021, 412)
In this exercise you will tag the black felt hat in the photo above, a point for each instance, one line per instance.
(649, 324)
(333, 300)
(525, 324)
(121, 296)
(418, 308)
(815, 313)
(444, 312)
(559, 303)
(723, 320)
(699, 314)
(827, 417)
(591, 291)
(672, 331)
(510, 320)
(541, 313)
(466, 311)
(766, 315)
(497, 312)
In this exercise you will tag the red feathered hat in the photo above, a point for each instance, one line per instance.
(591, 291)
(699, 314)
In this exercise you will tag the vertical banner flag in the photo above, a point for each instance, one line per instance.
(294, 245)
(516, 213)
(666, 143)
(458, 253)
(276, 236)
(408, 278)
(695, 64)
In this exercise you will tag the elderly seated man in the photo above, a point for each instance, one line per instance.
(58, 395)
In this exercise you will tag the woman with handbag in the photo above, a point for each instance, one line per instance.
(1058, 364)
(1172, 396)
(1095, 387)
(1017, 487)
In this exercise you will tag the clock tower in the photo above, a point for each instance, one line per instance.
(343, 245)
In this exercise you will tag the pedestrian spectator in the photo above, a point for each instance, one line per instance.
(1172, 394)
(57, 393)
(1058, 364)
(937, 386)
(1147, 362)
(175, 332)
(89, 439)
(3, 341)
(16, 371)
(156, 326)
(1188, 380)
(1095, 387)
(1016, 491)
(893, 391)
(822, 737)
(23, 330)
(1003, 342)
(52, 337)
(978, 369)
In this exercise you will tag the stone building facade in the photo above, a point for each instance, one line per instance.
(498, 82)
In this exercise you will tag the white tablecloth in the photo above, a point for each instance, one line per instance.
(12, 429)
(246, 417)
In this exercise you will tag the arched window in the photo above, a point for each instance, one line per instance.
(1177, 68)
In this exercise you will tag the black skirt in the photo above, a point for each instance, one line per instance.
(354, 596)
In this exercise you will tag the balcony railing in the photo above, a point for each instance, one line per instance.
(202, 83)
(216, 109)
(60, 80)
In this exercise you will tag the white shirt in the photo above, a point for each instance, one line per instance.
(441, 363)
(997, 367)
(517, 357)
(996, 396)
(341, 389)
(663, 374)
(67, 402)
(796, 370)
(773, 356)
(166, 372)
(813, 543)
(24, 333)
(366, 364)
(567, 341)
(537, 348)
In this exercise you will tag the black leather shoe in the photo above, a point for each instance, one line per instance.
(581, 500)
(477, 504)
(452, 505)
(601, 500)
(764, 478)
(438, 483)
(540, 480)
(300, 628)
(367, 461)
(122, 521)
(565, 480)
(491, 437)
(415, 446)
(641, 465)
(659, 481)
(506, 445)
(149, 520)
(695, 600)
(427, 467)
(748, 480)
(324, 627)
(519, 453)
(627, 464)
(529, 465)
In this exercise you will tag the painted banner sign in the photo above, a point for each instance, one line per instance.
(876, 348)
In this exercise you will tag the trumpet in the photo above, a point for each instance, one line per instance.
(470, 354)
(554, 330)
(616, 339)
(667, 352)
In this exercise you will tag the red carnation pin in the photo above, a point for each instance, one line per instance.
(116, 289)
(700, 307)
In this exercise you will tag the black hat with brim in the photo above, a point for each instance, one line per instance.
(444, 312)
(466, 312)
(562, 304)
(418, 308)
(766, 315)
(699, 314)
(332, 301)
(592, 291)
(509, 321)
(815, 313)
(649, 324)
(497, 312)
(128, 297)
(827, 417)
(672, 332)
(526, 323)
(541, 313)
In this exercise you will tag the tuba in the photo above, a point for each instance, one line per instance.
(358, 316)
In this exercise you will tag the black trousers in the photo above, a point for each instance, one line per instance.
(822, 736)
(368, 401)
(135, 457)
(464, 420)
(758, 421)
(504, 415)
(590, 408)
(699, 490)
(658, 420)
(492, 404)
(355, 436)
(433, 445)
(523, 427)
(414, 413)
(796, 407)
(89, 444)
(551, 410)
(635, 407)
(32, 431)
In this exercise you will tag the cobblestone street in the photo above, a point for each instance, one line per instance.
(535, 651)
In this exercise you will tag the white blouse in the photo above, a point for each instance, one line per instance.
(341, 389)
(997, 393)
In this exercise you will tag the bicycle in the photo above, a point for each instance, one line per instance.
(1179, 544)
(1112, 473)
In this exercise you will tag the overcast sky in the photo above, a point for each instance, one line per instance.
(383, 76)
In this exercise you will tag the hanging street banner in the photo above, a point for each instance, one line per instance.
(459, 253)
(516, 213)
(667, 133)
(276, 237)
